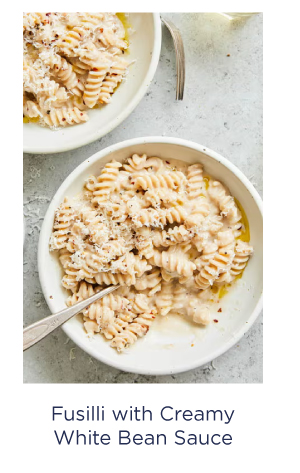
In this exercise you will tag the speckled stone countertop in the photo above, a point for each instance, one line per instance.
(222, 109)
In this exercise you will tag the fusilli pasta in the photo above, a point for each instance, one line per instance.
(157, 229)
(72, 62)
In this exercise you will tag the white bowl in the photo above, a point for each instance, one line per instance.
(167, 348)
(145, 44)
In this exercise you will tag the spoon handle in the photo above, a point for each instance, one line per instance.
(40, 329)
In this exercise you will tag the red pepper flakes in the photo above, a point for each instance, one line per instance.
(216, 321)
(167, 162)
(51, 297)
(220, 310)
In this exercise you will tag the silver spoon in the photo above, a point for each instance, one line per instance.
(40, 329)
(180, 58)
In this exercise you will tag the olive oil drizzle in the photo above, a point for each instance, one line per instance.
(245, 236)
(30, 120)
(124, 19)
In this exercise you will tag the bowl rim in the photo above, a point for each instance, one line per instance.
(124, 114)
(55, 202)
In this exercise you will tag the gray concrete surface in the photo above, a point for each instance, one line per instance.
(222, 109)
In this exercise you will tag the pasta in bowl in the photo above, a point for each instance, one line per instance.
(83, 73)
(156, 216)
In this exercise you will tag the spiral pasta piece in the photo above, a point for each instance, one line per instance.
(173, 262)
(31, 109)
(115, 325)
(63, 70)
(169, 180)
(84, 291)
(91, 56)
(165, 197)
(64, 116)
(79, 67)
(226, 202)
(46, 90)
(109, 278)
(91, 20)
(111, 81)
(145, 248)
(176, 214)
(137, 328)
(140, 266)
(94, 83)
(199, 212)
(208, 253)
(33, 19)
(147, 217)
(140, 304)
(135, 163)
(98, 231)
(195, 181)
(166, 276)
(70, 280)
(150, 281)
(172, 236)
(243, 251)
(220, 263)
(214, 224)
(180, 297)
(106, 182)
(164, 299)
(71, 41)
(199, 313)
(98, 309)
(64, 218)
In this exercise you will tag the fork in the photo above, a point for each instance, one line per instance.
(40, 329)
(180, 58)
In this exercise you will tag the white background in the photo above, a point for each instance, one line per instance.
(264, 426)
